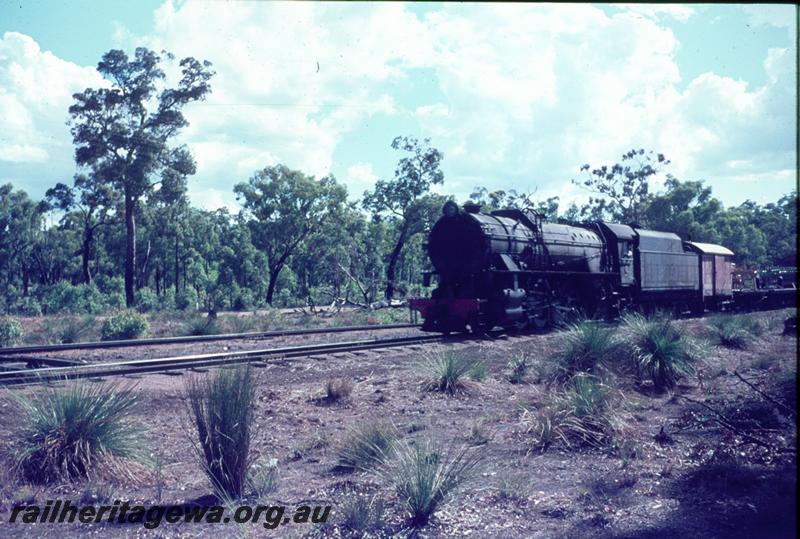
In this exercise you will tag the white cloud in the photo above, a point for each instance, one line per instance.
(35, 92)
(516, 96)
(359, 177)
(781, 16)
(19, 153)
(678, 12)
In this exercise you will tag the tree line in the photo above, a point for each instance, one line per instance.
(122, 232)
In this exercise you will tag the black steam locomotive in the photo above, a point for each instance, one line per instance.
(509, 268)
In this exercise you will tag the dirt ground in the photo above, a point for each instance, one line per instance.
(681, 477)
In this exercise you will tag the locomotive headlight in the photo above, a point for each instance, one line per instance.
(450, 209)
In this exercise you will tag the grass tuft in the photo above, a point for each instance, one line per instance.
(519, 367)
(75, 328)
(222, 408)
(424, 476)
(660, 352)
(367, 447)
(587, 347)
(240, 324)
(735, 331)
(448, 371)
(362, 514)
(582, 413)
(69, 434)
(202, 325)
(263, 478)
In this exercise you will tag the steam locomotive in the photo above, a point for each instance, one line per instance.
(509, 268)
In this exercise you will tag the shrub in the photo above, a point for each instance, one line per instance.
(448, 370)
(123, 326)
(186, 299)
(659, 351)
(70, 433)
(243, 300)
(366, 447)
(423, 476)
(63, 296)
(222, 408)
(338, 389)
(519, 366)
(146, 300)
(585, 347)
(26, 306)
(10, 331)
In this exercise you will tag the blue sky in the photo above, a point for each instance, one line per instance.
(516, 96)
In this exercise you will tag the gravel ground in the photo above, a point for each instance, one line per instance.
(686, 480)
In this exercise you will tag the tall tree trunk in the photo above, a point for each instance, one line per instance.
(86, 253)
(176, 264)
(25, 280)
(130, 249)
(390, 269)
(273, 280)
(144, 278)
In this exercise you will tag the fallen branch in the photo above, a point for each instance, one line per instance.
(356, 281)
(788, 411)
(722, 420)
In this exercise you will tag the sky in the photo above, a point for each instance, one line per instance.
(516, 96)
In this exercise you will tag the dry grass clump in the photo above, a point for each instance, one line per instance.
(424, 475)
(367, 447)
(448, 371)
(518, 367)
(582, 412)
(202, 325)
(76, 432)
(222, 409)
(735, 331)
(338, 389)
(361, 514)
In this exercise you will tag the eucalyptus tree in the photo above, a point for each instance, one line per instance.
(283, 209)
(406, 198)
(20, 230)
(122, 131)
(89, 202)
(623, 188)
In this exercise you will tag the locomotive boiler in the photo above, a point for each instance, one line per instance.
(509, 268)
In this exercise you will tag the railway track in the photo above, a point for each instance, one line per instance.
(165, 364)
(12, 353)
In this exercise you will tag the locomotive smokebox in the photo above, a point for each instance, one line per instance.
(457, 245)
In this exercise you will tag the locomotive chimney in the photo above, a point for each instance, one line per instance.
(472, 207)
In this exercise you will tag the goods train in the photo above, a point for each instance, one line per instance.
(511, 269)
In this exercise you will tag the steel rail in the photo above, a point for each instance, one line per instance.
(35, 348)
(118, 368)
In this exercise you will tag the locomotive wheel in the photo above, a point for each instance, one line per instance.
(567, 307)
(475, 325)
